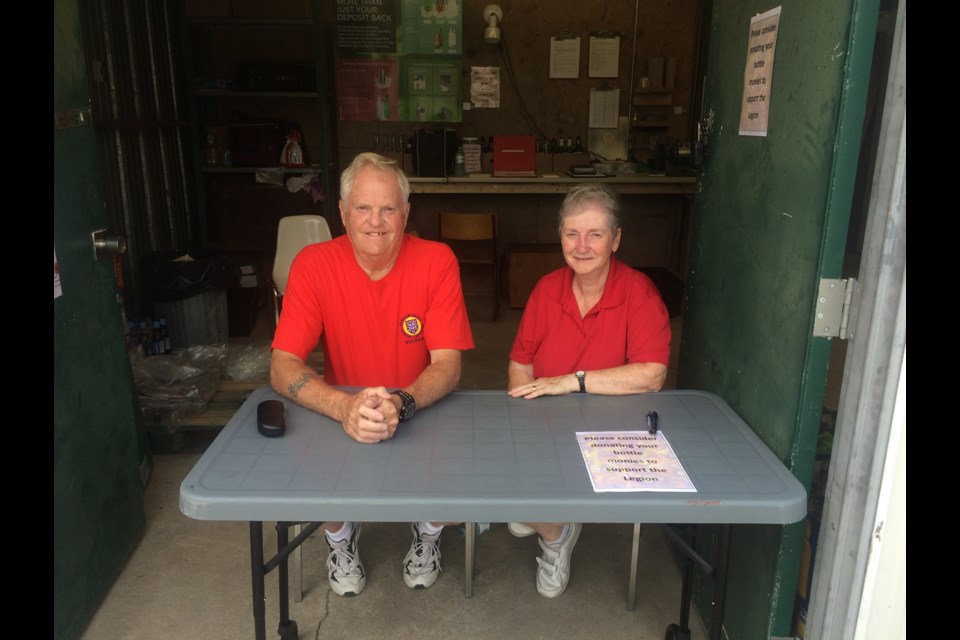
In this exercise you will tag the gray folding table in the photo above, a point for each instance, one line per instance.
(481, 456)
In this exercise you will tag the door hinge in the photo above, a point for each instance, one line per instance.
(838, 303)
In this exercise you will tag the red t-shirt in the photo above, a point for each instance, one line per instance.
(629, 324)
(374, 333)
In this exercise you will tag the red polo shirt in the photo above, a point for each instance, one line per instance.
(629, 324)
(373, 332)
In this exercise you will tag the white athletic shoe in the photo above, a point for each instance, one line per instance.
(519, 529)
(346, 574)
(554, 572)
(421, 566)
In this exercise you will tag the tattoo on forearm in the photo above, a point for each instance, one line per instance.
(294, 387)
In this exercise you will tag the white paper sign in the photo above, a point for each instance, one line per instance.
(758, 75)
(632, 461)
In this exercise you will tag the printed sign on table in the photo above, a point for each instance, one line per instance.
(632, 461)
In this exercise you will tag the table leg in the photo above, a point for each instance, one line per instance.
(687, 544)
(297, 568)
(681, 631)
(720, 581)
(259, 569)
(287, 628)
(470, 536)
(634, 557)
(257, 573)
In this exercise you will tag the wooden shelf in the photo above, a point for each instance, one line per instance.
(653, 99)
(226, 93)
(279, 23)
(283, 170)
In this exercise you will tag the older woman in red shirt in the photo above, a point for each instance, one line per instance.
(594, 326)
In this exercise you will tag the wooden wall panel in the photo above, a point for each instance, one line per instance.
(559, 107)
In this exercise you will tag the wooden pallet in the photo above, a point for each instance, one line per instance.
(193, 434)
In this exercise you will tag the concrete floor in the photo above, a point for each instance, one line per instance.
(191, 579)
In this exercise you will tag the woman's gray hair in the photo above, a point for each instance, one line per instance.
(377, 161)
(591, 193)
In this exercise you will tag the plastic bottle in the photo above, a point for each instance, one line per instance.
(459, 168)
(212, 155)
(156, 346)
(144, 338)
(131, 335)
(292, 155)
(165, 345)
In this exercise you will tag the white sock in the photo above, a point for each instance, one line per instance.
(563, 536)
(343, 533)
(429, 529)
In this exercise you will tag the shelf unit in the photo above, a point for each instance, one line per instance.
(653, 120)
(235, 63)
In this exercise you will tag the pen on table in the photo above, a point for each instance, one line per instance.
(653, 422)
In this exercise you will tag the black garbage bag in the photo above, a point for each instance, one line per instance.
(176, 275)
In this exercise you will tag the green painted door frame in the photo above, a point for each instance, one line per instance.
(770, 221)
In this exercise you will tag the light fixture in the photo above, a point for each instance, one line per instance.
(492, 15)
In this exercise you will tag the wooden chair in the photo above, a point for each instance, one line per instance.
(293, 234)
(473, 238)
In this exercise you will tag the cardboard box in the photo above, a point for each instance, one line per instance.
(526, 264)
(197, 320)
(808, 554)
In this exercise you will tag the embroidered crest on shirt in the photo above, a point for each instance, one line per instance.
(412, 326)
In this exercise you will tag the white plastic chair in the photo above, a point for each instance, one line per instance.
(293, 234)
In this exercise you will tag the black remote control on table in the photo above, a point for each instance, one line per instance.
(270, 421)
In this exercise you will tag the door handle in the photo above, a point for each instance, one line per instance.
(104, 246)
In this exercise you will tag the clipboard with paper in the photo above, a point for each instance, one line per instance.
(604, 55)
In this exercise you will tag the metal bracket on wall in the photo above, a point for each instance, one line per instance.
(78, 117)
(104, 246)
(838, 303)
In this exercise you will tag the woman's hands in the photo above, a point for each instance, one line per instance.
(555, 386)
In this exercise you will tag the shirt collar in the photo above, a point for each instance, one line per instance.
(613, 294)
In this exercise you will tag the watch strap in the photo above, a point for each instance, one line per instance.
(582, 379)
(408, 404)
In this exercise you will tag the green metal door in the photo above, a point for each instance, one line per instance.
(770, 221)
(99, 462)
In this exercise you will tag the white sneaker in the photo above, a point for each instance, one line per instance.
(421, 566)
(554, 573)
(347, 577)
(519, 529)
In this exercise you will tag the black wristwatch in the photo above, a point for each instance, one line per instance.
(582, 379)
(408, 405)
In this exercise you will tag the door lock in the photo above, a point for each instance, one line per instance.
(104, 246)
